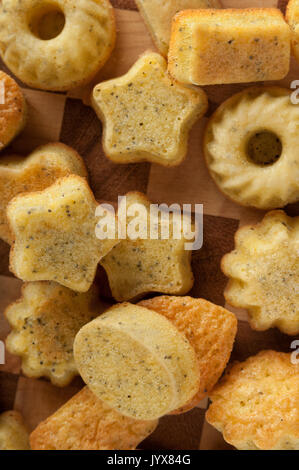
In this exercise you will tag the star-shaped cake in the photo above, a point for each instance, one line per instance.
(54, 235)
(147, 116)
(44, 323)
(148, 264)
(36, 172)
(264, 273)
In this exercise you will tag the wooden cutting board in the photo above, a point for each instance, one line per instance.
(67, 118)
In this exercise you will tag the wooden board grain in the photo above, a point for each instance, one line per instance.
(69, 118)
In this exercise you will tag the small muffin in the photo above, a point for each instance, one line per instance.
(86, 423)
(147, 263)
(211, 331)
(146, 116)
(210, 47)
(158, 16)
(250, 146)
(54, 234)
(36, 172)
(13, 434)
(292, 17)
(56, 44)
(137, 362)
(256, 404)
(44, 322)
(264, 273)
(13, 109)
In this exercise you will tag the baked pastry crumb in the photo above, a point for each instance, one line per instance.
(210, 47)
(249, 146)
(54, 233)
(264, 273)
(44, 322)
(56, 44)
(33, 173)
(256, 404)
(158, 17)
(146, 264)
(137, 362)
(86, 423)
(146, 116)
(211, 331)
(292, 17)
(13, 110)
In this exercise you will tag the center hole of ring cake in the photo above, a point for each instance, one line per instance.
(264, 148)
(47, 22)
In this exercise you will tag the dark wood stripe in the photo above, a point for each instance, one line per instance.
(124, 4)
(180, 432)
(293, 210)
(282, 5)
(8, 388)
(4, 259)
(249, 342)
(218, 240)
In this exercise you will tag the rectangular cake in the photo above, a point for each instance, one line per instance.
(211, 47)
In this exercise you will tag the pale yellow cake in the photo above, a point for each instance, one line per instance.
(209, 47)
(158, 15)
(149, 263)
(137, 362)
(44, 323)
(54, 234)
(36, 172)
(147, 116)
(264, 273)
(56, 44)
(250, 146)
(256, 404)
(86, 423)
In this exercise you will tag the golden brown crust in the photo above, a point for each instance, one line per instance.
(85, 423)
(226, 12)
(292, 17)
(12, 109)
(291, 10)
(36, 172)
(256, 404)
(141, 375)
(211, 331)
